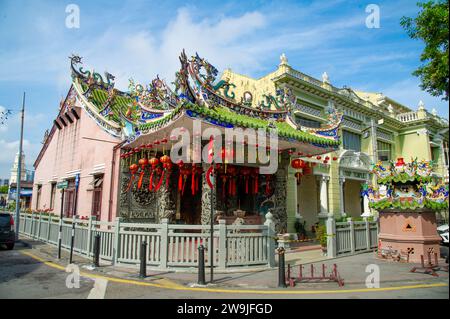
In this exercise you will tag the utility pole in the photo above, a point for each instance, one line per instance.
(19, 170)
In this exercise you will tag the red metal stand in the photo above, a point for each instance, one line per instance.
(333, 276)
(430, 267)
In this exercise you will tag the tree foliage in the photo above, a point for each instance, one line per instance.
(4, 189)
(431, 26)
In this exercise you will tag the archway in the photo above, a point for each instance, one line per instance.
(354, 170)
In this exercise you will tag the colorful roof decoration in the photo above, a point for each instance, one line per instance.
(197, 94)
(406, 186)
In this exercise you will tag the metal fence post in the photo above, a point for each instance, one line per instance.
(201, 265)
(368, 243)
(222, 244)
(96, 257)
(331, 236)
(116, 248)
(281, 268)
(352, 235)
(270, 237)
(143, 257)
(89, 235)
(72, 239)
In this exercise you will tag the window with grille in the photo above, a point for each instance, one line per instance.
(384, 151)
(351, 141)
(69, 198)
(38, 196)
(52, 195)
(97, 184)
(307, 122)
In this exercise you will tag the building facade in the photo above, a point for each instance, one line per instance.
(99, 127)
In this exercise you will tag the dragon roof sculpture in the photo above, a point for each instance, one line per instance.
(197, 93)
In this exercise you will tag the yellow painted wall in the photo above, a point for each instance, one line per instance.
(414, 145)
(308, 197)
(352, 204)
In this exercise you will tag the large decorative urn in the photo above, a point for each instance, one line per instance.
(407, 200)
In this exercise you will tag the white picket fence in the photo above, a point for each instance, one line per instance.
(169, 246)
(351, 237)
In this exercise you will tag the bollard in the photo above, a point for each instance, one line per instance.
(72, 239)
(201, 265)
(96, 257)
(281, 269)
(143, 268)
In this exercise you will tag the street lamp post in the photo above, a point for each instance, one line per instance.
(19, 170)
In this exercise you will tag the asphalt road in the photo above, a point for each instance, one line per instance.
(22, 276)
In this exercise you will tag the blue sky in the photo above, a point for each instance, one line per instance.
(140, 39)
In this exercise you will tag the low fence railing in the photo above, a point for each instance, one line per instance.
(350, 237)
(168, 245)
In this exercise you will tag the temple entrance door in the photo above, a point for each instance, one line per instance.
(191, 207)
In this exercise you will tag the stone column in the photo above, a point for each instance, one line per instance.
(206, 198)
(323, 196)
(341, 196)
(366, 212)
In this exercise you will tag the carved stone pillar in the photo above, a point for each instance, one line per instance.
(206, 198)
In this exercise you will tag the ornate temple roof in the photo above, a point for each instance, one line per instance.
(197, 94)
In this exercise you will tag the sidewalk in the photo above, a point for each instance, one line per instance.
(352, 269)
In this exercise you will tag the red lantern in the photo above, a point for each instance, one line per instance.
(297, 163)
(319, 157)
(143, 162)
(153, 162)
(327, 158)
(133, 170)
(185, 172)
(335, 158)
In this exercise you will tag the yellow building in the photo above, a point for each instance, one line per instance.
(374, 128)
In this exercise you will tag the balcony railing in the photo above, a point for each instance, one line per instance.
(408, 117)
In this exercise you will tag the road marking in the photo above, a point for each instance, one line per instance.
(99, 289)
(166, 284)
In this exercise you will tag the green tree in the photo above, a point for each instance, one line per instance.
(431, 26)
(4, 189)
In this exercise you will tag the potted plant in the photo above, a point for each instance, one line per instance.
(300, 229)
(321, 236)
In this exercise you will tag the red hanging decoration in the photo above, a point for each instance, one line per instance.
(180, 177)
(245, 171)
(143, 162)
(167, 165)
(185, 172)
(255, 176)
(133, 170)
(154, 163)
(233, 171)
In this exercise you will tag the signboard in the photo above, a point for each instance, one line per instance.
(77, 180)
(62, 185)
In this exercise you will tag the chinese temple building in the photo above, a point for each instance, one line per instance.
(327, 140)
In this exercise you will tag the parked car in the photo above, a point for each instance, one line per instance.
(443, 232)
(7, 233)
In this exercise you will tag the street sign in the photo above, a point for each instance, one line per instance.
(62, 185)
(77, 180)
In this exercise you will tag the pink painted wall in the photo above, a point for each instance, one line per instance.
(84, 147)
